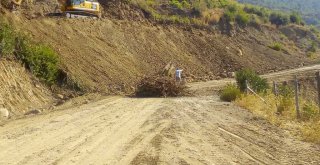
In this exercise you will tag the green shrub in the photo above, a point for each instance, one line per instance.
(22, 43)
(230, 13)
(7, 40)
(255, 82)
(314, 29)
(186, 4)
(309, 111)
(40, 59)
(43, 63)
(233, 8)
(295, 18)
(176, 4)
(259, 11)
(230, 93)
(235, 13)
(229, 16)
(279, 19)
(276, 46)
(242, 18)
(313, 47)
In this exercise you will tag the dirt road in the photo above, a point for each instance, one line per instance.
(117, 130)
(188, 130)
(205, 88)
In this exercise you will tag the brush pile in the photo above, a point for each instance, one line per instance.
(160, 86)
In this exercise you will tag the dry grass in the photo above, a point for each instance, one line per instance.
(260, 108)
(311, 131)
(308, 126)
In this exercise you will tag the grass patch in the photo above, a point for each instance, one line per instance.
(308, 125)
(230, 93)
(207, 12)
(279, 110)
(276, 46)
(311, 132)
(7, 40)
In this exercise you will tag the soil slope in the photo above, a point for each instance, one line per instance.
(112, 55)
(19, 91)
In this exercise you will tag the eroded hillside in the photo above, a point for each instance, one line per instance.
(100, 54)
(112, 54)
(20, 93)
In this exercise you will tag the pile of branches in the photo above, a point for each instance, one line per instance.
(160, 86)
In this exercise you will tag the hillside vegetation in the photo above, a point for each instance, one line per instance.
(309, 9)
(204, 12)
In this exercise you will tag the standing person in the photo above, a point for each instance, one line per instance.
(178, 74)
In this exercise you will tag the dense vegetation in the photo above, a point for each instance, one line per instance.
(245, 78)
(40, 59)
(309, 9)
(206, 12)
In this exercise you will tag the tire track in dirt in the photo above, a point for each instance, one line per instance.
(117, 130)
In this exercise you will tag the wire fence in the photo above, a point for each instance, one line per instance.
(302, 90)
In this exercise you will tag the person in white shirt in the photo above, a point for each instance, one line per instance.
(178, 74)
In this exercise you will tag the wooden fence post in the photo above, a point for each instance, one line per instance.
(297, 96)
(247, 86)
(275, 88)
(318, 86)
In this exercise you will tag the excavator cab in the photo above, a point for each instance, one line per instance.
(82, 8)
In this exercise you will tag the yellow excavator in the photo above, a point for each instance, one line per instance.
(75, 8)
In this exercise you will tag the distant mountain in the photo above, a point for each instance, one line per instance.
(309, 9)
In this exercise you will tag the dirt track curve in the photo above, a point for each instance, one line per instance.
(120, 130)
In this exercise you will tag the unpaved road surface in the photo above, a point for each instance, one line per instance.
(209, 87)
(187, 130)
(118, 130)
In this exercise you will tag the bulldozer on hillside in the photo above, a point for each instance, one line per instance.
(75, 8)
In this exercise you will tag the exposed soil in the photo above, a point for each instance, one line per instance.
(120, 130)
(117, 130)
(20, 92)
(112, 55)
